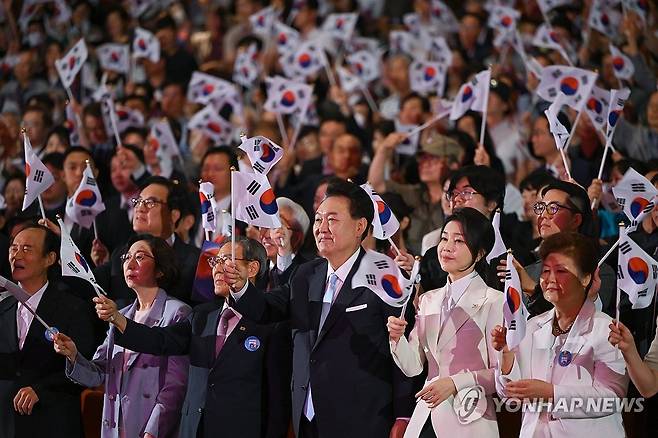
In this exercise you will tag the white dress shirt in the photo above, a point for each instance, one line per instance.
(24, 317)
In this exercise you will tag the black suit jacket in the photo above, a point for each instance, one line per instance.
(57, 413)
(357, 389)
(110, 275)
(225, 394)
(114, 227)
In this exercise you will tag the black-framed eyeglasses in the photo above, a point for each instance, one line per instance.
(551, 208)
(139, 257)
(149, 203)
(466, 195)
(220, 260)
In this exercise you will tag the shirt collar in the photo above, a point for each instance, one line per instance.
(224, 203)
(35, 299)
(344, 269)
(171, 239)
(457, 288)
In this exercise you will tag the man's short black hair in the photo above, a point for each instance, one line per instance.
(131, 147)
(424, 102)
(80, 149)
(225, 150)
(579, 200)
(175, 191)
(484, 180)
(51, 243)
(55, 159)
(360, 203)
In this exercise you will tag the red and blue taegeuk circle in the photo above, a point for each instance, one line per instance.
(391, 286)
(86, 198)
(638, 269)
(268, 202)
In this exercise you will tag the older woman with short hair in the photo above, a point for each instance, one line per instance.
(565, 358)
(143, 393)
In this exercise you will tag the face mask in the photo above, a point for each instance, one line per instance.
(34, 39)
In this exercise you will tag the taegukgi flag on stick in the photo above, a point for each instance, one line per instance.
(86, 203)
(514, 311)
(379, 273)
(253, 200)
(37, 176)
(622, 66)
(637, 272)
(575, 83)
(597, 107)
(208, 206)
(636, 196)
(384, 222)
(559, 131)
(472, 95)
(114, 57)
(146, 45)
(72, 261)
(615, 110)
(262, 152)
(69, 66)
(162, 140)
(499, 246)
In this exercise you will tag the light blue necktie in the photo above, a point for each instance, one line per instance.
(327, 300)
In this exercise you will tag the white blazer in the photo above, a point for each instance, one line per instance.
(461, 350)
(596, 372)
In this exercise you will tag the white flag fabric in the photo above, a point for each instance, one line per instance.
(427, 77)
(440, 51)
(622, 65)
(86, 202)
(472, 95)
(205, 88)
(225, 223)
(162, 140)
(559, 131)
(514, 311)
(546, 38)
(637, 273)
(503, 19)
(604, 18)
(69, 66)
(401, 41)
(114, 57)
(128, 118)
(384, 222)
(208, 206)
(14, 289)
(340, 26)
(547, 5)
(443, 17)
(286, 97)
(246, 69)
(146, 45)
(37, 176)
(379, 273)
(615, 110)
(286, 38)
(306, 60)
(72, 261)
(499, 246)
(262, 152)
(212, 124)
(365, 65)
(575, 83)
(262, 22)
(71, 125)
(253, 200)
(597, 107)
(640, 7)
(61, 12)
(349, 82)
(409, 145)
(634, 194)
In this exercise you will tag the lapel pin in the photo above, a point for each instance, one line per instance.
(565, 357)
(242, 328)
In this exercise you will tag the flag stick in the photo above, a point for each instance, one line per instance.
(607, 254)
(573, 130)
(564, 161)
(282, 129)
(95, 229)
(232, 216)
(43, 212)
(483, 125)
(38, 318)
(330, 74)
(423, 126)
(412, 294)
(208, 235)
(9, 285)
(600, 174)
(113, 120)
(298, 128)
(621, 230)
(394, 246)
(369, 99)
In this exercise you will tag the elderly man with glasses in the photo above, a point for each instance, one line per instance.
(156, 211)
(232, 361)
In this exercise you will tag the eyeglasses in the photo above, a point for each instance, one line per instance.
(220, 260)
(26, 249)
(139, 257)
(551, 208)
(466, 195)
(149, 203)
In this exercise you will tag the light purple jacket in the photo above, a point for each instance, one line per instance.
(147, 398)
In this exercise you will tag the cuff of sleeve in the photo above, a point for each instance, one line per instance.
(463, 380)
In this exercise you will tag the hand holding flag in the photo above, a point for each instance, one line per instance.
(379, 273)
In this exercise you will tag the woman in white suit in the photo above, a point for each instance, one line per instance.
(565, 361)
(451, 334)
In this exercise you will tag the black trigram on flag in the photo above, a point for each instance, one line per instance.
(556, 73)
(257, 143)
(508, 275)
(258, 167)
(91, 181)
(552, 92)
(512, 325)
(620, 101)
(643, 293)
(620, 273)
(252, 212)
(474, 81)
(654, 269)
(625, 248)
(381, 264)
(73, 267)
(621, 202)
(371, 279)
(86, 213)
(38, 175)
(253, 187)
(637, 187)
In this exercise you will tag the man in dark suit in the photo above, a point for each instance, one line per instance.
(344, 380)
(230, 374)
(157, 210)
(36, 398)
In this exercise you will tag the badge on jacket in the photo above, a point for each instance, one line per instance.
(252, 343)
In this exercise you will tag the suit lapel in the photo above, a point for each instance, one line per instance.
(542, 343)
(46, 309)
(9, 334)
(153, 318)
(316, 285)
(468, 305)
(345, 297)
(577, 336)
(233, 341)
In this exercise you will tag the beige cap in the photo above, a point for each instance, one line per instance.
(442, 146)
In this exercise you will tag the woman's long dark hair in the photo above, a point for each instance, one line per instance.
(478, 235)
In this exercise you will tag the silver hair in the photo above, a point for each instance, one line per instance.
(298, 212)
